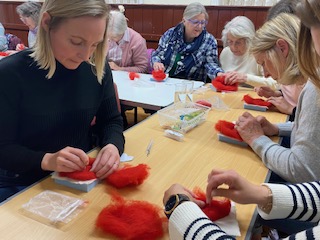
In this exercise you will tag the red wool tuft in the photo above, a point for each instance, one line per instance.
(256, 101)
(131, 220)
(80, 175)
(4, 54)
(216, 209)
(227, 128)
(128, 176)
(133, 75)
(158, 75)
(219, 84)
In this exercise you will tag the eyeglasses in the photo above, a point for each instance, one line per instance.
(236, 43)
(197, 22)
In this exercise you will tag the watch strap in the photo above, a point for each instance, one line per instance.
(173, 202)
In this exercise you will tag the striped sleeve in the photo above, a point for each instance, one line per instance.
(299, 201)
(188, 222)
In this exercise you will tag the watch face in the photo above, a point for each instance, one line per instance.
(171, 202)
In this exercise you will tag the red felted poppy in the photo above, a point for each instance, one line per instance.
(133, 75)
(227, 128)
(4, 54)
(218, 208)
(256, 101)
(220, 85)
(81, 175)
(128, 176)
(158, 75)
(131, 220)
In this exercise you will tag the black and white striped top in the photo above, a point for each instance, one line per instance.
(300, 202)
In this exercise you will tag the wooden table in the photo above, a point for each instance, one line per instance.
(187, 162)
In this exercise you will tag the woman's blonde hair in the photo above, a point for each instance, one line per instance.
(61, 10)
(284, 26)
(308, 59)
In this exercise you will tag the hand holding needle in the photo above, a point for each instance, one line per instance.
(149, 147)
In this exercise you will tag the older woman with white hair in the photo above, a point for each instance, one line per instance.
(239, 65)
(29, 14)
(127, 49)
(187, 50)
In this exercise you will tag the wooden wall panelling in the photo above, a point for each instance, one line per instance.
(151, 21)
(11, 21)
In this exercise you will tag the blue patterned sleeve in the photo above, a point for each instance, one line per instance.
(158, 54)
(212, 61)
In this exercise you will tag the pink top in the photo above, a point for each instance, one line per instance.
(130, 53)
(291, 93)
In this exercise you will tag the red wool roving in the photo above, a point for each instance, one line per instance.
(84, 175)
(227, 128)
(217, 208)
(131, 220)
(219, 84)
(256, 101)
(128, 176)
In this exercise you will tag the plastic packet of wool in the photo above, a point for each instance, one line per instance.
(53, 207)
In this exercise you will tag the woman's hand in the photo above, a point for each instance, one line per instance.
(158, 66)
(267, 92)
(281, 104)
(234, 77)
(107, 161)
(268, 128)
(68, 159)
(179, 189)
(249, 128)
(114, 66)
(236, 188)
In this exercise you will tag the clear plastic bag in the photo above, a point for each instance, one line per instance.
(53, 207)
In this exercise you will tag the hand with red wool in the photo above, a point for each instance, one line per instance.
(234, 77)
(236, 188)
(158, 66)
(68, 159)
(107, 161)
(179, 189)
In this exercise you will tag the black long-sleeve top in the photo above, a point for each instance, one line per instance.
(40, 115)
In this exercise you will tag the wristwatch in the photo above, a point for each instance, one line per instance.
(173, 202)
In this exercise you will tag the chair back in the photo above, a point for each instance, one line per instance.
(149, 54)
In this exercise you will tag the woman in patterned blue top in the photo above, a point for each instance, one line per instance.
(187, 50)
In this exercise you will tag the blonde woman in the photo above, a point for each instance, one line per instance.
(275, 49)
(51, 93)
